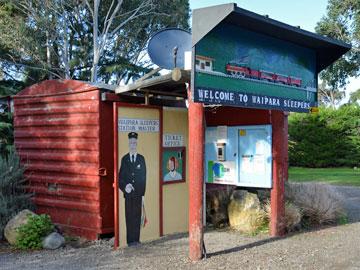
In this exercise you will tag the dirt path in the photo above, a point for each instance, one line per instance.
(330, 248)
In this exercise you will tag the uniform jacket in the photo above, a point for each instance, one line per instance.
(133, 173)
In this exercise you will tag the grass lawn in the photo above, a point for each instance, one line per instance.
(334, 176)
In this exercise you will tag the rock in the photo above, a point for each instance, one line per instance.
(10, 231)
(53, 241)
(217, 202)
(245, 213)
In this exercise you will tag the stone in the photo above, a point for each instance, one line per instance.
(53, 241)
(245, 212)
(10, 231)
(217, 202)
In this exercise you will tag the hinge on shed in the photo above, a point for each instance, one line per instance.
(102, 172)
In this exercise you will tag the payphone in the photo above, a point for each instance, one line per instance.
(220, 149)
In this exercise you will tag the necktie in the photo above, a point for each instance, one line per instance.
(132, 159)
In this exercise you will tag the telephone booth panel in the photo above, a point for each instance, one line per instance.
(239, 155)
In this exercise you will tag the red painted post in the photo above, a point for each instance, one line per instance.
(286, 145)
(196, 178)
(279, 173)
(116, 180)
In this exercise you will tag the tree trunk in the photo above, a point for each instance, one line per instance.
(48, 54)
(96, 55)
(66, 46)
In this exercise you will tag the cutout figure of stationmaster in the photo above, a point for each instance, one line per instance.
(132, 182)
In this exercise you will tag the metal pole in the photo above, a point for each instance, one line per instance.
(116, 180)
(279, 173)
(196, 178)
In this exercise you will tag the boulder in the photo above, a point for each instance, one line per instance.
(217, 202)
(10, 231)
(53, 241)
(245, 212)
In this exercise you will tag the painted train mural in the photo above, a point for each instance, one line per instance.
(242, 70)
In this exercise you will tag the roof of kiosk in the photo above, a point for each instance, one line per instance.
(327, 49)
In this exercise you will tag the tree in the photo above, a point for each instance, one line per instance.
(328, 96)
(7, 88)
(355, 97)
(101, 40)
(330, 138)
(342, 22)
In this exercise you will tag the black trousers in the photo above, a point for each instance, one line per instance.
(133, 218)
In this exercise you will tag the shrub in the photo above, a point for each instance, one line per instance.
(13, 196)
(6, 132)
(319, 203)
(30, 234)
(292, 215)
(330, 138)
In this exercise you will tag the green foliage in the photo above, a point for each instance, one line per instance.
(41, 39)
(330, 138)
(30, 234)
(7, 88)
(355, 97)
(13, 197)
(6, 133)
(342, 22)
(343, 219)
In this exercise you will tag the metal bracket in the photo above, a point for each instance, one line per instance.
(102, 171)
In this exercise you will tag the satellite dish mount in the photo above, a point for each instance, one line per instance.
(167, 48)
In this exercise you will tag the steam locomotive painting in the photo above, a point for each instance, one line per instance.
(242, 70)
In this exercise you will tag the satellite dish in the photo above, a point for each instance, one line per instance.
(167, 47)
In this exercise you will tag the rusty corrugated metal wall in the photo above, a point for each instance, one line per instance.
(58, 134)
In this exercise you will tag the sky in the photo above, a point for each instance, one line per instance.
(304, 13)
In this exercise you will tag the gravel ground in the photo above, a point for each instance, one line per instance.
(327, 248)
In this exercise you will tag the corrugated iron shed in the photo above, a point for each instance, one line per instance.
(63, 133)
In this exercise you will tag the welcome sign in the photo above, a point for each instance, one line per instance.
(237, 67)
(243, 99)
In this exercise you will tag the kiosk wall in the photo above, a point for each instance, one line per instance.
(239, 155)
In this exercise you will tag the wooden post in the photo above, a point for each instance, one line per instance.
(286, 144)
(196, 178)
(116, 178)
(279, 174)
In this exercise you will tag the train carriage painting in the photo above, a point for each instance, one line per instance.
(241, 70)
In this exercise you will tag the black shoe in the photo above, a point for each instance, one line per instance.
(134, 244)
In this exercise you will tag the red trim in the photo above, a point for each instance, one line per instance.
(196, 178)
(173, 182)
(277, 200)
(161, 207)
(123, 104)
(183, 180)
(116, 180)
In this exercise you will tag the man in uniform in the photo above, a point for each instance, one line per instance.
(132, 182)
